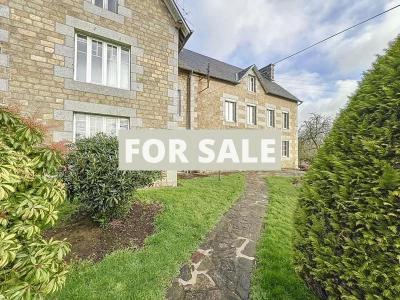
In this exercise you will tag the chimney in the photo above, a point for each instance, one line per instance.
(269, 72)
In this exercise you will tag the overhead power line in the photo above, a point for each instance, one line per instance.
(336, 34)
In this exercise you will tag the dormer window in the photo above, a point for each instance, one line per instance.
(252, 84)
(111, 5)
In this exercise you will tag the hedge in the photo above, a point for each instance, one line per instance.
(348, 220)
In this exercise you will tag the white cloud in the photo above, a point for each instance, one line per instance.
(318, 96)
(260, 31)
(357, 52)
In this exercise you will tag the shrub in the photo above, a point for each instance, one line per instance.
(92, 177)
(348, 223)
(30, 266)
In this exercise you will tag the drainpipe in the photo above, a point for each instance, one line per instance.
(189, 101)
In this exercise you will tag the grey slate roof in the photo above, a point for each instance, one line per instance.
(198, 63)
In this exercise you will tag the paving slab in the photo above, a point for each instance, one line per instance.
(221, 268)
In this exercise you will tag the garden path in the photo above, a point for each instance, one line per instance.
(222, 267)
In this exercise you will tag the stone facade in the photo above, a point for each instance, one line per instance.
(37, 57)
(207, 108)
(38, 43)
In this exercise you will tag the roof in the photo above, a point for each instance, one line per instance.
(198, 63)
(184, 30)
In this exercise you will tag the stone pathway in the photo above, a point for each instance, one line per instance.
(222, 267)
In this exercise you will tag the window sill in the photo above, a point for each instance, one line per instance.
(98, 89)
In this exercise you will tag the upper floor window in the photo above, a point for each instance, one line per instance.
(251, 114)
(88, 125)
(271, 118)
(285, 148)
(230, 111)
(111, 5)
(101, 62)
(252, 83)
(286, 120)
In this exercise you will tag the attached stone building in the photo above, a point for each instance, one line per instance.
(214, 94)
(85, 66)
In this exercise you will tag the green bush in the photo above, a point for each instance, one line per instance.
(348, 221)
(92, 178)
(30, 266)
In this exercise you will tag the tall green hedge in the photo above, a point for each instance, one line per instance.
(348, 221)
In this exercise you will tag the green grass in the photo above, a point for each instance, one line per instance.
(275, 277)
(190, 212)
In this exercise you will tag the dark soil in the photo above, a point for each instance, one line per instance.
(89, 241)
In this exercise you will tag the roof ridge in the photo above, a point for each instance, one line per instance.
(211, 58)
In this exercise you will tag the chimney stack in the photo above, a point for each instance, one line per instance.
(269, 72)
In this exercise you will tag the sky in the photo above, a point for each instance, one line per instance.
(261, 32)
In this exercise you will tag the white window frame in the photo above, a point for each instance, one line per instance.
(269, 111)
(254, 123)
(105, 5)
(252, 84)
(285, 116)
(89, 43)
(104, 123)
(286, 149)
(234, 111)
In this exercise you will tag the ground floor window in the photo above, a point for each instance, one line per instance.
(285, 149)
(88, 125)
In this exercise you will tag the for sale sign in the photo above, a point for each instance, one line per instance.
(228, 150)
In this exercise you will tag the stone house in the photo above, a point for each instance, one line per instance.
(89, 66)
(213, 94)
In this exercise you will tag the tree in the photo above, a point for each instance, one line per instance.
(348, 220)
(30, 266)
(312, 134)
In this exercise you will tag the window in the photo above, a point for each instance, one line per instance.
(252, 84)
(230, 111)
(285, 148)
(271, 118)
(88, 125)
(102, 63)
(285, 116)
(251, 114)
(179, 103)
(111, 5)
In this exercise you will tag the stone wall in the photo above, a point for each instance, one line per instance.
(209, 109)
(37, 42)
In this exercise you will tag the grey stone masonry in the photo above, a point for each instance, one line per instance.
(173, 95)
(3, 85)
(4, 34)
(70, 106)
(4, 11)
(3, 60)
(122, 13)
(73, 25)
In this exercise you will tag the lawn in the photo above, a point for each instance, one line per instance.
(275, 277)
(189, 213)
